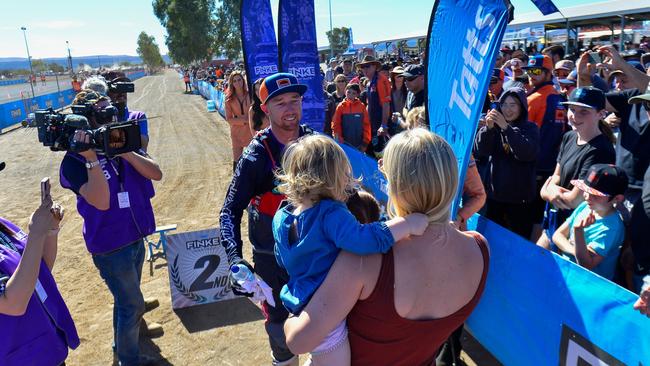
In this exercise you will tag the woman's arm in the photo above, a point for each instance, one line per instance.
(572, 198)
(95, 191)
(234, 119)
(331, 303)
(474, 191)
(52, 238)
(144, 165)
(20, 287)
(551, 192)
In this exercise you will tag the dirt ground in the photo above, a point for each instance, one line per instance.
(192, 147)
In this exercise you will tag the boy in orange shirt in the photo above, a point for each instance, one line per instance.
(351, 122)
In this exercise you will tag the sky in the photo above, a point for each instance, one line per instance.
(92, 28)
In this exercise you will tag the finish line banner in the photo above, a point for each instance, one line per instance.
(198, 268)
(258, 40)
(299, 56)
(541, 309)
(462, 44)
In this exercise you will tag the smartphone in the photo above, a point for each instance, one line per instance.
(45, 188)
(595, 58)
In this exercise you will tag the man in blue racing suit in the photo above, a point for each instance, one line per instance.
(253, 186)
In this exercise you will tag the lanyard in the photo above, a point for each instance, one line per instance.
(120, 177)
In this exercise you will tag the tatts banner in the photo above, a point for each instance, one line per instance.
(299, 56)
(198, 268)
(258, 40)
(462, 44)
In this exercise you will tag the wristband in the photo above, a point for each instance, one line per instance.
(53, 232)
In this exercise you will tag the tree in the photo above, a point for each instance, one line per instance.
(149, 52)
(126, 63)
(55, 67)
(227, 40)
(339, 39)
(190, 28)
(39, 66)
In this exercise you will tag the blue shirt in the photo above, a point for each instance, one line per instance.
(605, 237)
(320, 233)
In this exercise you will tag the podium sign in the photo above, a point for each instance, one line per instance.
(198, 268)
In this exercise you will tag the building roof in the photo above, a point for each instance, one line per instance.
(588, 14)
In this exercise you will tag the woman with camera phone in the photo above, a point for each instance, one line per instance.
(114, 199)
(36, 325)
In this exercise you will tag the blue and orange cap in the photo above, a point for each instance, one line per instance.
(540, 62)
(278, 84)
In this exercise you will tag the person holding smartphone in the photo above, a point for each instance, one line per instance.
(36, 325)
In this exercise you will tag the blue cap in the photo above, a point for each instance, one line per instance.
(588, 97)
(280, 83)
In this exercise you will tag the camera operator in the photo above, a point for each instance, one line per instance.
(113, 198)
(119, 99)
(37, 328)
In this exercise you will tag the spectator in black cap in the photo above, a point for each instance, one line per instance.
(414, 79)
(632, 152)
(592, 236)
(581, 148)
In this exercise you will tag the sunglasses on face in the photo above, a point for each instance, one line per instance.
(411, 78)
(535, 72)
(365, 66)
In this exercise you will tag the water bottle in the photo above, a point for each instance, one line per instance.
(242, 274)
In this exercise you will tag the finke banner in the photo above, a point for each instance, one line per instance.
(462, 44)
(258, 40)
(541, 309)
(198, 268)
(299, 56)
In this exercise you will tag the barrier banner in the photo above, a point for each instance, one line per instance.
(198, 268)
(299, 56)
(541, 309)
(366, 168)
(462, 44)
(258, 40)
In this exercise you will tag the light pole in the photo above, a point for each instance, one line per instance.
(29, 58)
(331, 34)
(67, 44)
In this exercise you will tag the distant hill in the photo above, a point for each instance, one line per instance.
(9, 63)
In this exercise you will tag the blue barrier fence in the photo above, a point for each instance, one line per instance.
(12, 82)
(209, 92)
(14, 112)
(540, 309)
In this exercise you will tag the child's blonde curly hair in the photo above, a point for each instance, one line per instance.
(315, 167)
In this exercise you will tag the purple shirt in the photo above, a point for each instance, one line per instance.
(43, 334)
(107, 231)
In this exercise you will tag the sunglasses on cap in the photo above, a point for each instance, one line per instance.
(535, 72)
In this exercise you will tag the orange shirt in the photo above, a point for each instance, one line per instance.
(349, 107)
(383, 89)
(537, 103)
